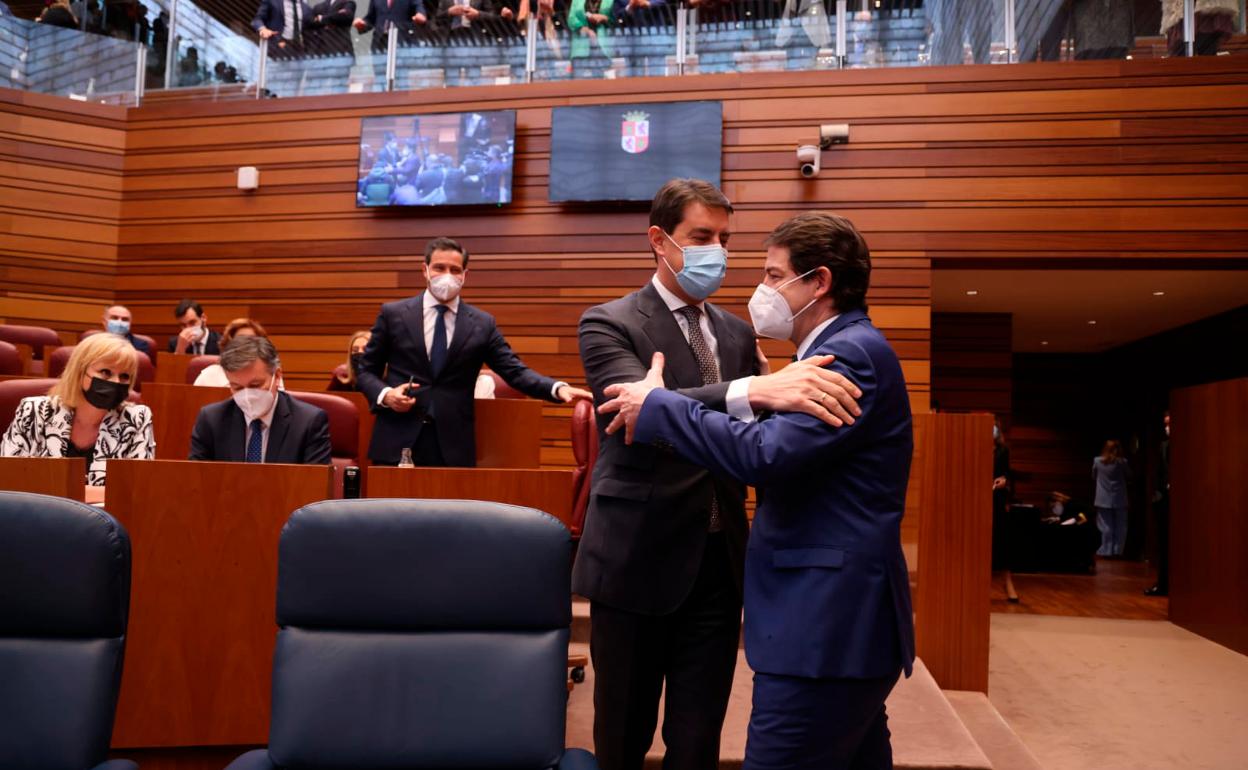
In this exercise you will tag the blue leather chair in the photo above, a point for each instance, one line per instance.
(421, 634)
(64, 604)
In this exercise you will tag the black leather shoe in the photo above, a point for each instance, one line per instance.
(1156, 591)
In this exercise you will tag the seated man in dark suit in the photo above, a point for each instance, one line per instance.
(422, 362)
(117, 321)
(259, 423)
(195, 339)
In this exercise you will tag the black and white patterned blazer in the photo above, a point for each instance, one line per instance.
(42, 426)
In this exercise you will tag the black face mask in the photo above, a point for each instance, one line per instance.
(357, 360)
(105, 394)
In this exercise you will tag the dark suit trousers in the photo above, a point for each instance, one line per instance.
(819, 724)
(694, 649)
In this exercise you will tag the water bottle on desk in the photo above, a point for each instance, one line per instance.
(405, 459)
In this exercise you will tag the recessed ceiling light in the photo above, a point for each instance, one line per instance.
(1159, 294)
(1091, 323)
(1044, 342)
(972, 293)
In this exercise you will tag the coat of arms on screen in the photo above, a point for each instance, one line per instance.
(635, 132)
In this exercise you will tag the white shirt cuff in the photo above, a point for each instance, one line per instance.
(738, 399)
(554, 390)
(381, 398)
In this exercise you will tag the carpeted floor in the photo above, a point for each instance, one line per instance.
(1094, 693)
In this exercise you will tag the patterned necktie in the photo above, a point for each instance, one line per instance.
(437, 353)
(256, 442)
(710, 375)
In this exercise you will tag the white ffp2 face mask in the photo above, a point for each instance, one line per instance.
(770, 311)
(445, 286)
(256, 402)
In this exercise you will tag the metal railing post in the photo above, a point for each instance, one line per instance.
(530, 48)
(140, 74)
(682, 27)
(171, 46)
(392, 55)
(1011, 44)
(842, 24)
(262, 68)
(1189, 27)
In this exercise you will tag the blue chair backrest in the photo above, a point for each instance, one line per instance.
(64, 604)
(421, 633)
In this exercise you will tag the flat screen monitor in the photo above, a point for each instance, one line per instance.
(625, 152)
(449, 159)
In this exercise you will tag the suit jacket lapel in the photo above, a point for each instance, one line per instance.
(730, 343)
(414, 317)
(234, 442)
(681, 367)
(279, 427)
(465, 325)
(843, 320)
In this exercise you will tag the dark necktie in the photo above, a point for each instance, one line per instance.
(710, 375)
(256, 442)
(297, 31)
(437, 353)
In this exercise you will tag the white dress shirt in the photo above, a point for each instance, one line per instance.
(739, 391)
(738, 397)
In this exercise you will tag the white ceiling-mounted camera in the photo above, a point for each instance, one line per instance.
(809, 155)
(808, 160)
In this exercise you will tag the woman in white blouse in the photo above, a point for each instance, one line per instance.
(86, 414)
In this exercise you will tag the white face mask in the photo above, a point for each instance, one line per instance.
(199, 332)
(770, 311)
(256, 402)
(445, 286)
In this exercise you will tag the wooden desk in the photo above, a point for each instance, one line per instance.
(203, 595)
(509, 432)
(56, 476)
(174, 410)
(171, 367)
(545, 490)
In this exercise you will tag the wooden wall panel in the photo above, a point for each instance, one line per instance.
(1209, 506)
(60, 200)
(1089, 163)
(972, 362)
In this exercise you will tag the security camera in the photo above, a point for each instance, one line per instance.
(808, 160)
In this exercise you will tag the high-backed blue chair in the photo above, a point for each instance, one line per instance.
(421, 634)
(64, 604)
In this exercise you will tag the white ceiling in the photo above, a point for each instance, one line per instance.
(1055, 306)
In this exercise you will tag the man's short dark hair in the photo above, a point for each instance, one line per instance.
(819, 239)
(667, 210)
(243, 351)
(188, 304)
(444, 244)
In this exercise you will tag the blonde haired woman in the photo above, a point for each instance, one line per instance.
(343, 377)
(86, 414)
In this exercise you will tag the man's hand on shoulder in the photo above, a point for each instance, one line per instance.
(627, 399)
(805, 386)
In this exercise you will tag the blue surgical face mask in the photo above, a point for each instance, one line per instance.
(117, 326)
(704, 270)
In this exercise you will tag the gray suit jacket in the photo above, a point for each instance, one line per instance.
(646, 526)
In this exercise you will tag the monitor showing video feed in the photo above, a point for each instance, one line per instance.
(451, 159)
(625, 152)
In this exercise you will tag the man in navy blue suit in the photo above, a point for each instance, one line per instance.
(422, 362)
(828, 620)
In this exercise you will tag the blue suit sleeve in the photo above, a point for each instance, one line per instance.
(764, 452)
(376, 354)
(319, 449)
(262, 16)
